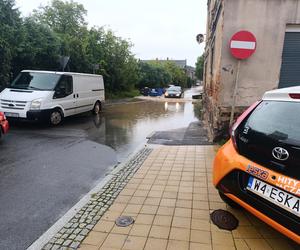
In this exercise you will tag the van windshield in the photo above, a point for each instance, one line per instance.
(35, 81)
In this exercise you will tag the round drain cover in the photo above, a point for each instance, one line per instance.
(224, 219)
(124, 221)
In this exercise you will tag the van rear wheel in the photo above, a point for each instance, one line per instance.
(97, 108)
(55, 117)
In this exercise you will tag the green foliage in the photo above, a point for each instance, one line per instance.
(60, 29)
(161, 74)
(38, 49)
(10, 23)
(122, 94)
(199, 67)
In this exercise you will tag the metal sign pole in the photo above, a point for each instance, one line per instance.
(235, 93)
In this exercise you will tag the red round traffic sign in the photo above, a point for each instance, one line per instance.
(242, 44)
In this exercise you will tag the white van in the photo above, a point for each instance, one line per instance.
(47, 95)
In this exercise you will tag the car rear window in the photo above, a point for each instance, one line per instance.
(277, 119)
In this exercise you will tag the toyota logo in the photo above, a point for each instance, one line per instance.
(280, 154)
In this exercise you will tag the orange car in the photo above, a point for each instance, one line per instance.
(259, 167)
(3, 124)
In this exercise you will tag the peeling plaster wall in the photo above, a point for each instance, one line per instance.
(267, 20)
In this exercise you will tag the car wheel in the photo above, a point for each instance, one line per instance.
(228, 201)
(97, 108)
(55, 117)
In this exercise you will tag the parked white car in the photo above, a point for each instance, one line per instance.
(51, 96)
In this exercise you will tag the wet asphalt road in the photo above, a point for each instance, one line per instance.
(44, 171)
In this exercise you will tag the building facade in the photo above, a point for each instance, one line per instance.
(275, 64)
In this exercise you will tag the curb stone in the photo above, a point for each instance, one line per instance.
(75, 231)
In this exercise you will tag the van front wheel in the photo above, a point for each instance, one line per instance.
(55, 117)
(97, 108)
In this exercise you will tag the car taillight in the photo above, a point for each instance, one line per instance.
(239, 121)
(294, 95)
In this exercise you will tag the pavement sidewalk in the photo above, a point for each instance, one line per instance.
(170, 197)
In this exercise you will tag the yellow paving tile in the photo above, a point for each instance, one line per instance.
(185, 196)
(162, 220)
(159, 232)
(170, 194)
(127, 191)
(246, 232)
(220, 238)
(279, 244)
(137, 200)
(177, 245)
(115, 241)
(182, 234)
(200, 214)
(121, 230)
(184, 203)
(146, 219)
(118, 207)
(148, 209)
(155, 194)
(156, 244)
(140, 230)
(132, 208)
(183, 212)
(111, 215)
(152, 201)
(134, 243)
(181, 222)
(258, 244)
(142, 193)
(165, 210)
(123, 199)
(201, 237)
(171, 197)
(104, 226)
(199, 246)
(95, 238)
(200, 205)
(157, 188)
(223, 247)
(88, 247)
(240, 244)
(198, 224)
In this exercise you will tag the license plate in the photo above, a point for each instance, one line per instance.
(275, 195)
(9, 114)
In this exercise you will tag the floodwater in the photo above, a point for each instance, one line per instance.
(124, 127)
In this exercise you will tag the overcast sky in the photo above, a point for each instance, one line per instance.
(157, 28)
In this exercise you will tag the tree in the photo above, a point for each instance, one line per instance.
(39, 48)
(199, 67)
(161, 74)
(67, 21)
(10, 23)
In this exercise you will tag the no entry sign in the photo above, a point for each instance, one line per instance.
(242, 44)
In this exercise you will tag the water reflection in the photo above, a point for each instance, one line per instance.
(123, 127)
(126, 126)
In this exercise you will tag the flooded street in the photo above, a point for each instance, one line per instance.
(124, 127)
(45, 170)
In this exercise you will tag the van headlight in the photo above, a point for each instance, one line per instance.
(36, 104)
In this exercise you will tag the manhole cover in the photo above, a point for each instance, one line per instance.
(124, 221)
(224, 219)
